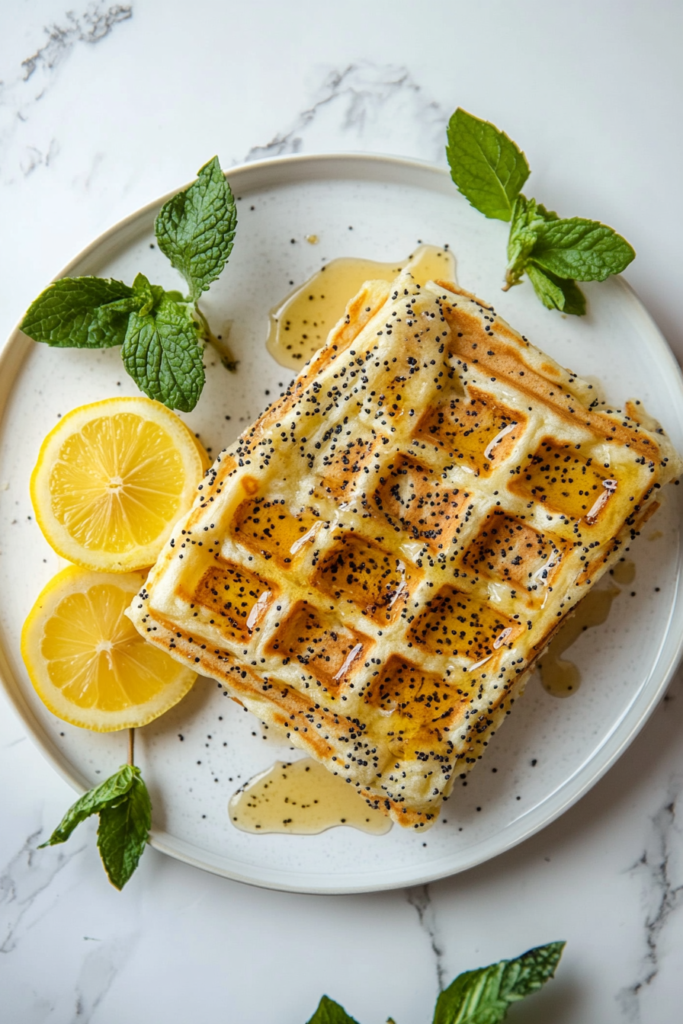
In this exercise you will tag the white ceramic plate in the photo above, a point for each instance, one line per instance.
(551, 751)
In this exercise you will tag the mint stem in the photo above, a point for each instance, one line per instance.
(131, 747)
(220, 346)
(511, 280)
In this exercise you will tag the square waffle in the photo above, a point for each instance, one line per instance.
(378, 561)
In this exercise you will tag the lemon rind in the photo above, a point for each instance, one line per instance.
(58, 537)
(71, 580)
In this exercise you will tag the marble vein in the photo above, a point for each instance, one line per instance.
(368, 105)
(26, 85)
(15, 743)
(93, 24)
(662, 876)
(420, 898)
(34, 157)
(98, 973)
(23, 880)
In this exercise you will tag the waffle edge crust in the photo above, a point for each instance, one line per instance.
(376, 564)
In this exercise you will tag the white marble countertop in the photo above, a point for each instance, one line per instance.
(103, 108)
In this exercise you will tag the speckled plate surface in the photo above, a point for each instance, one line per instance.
(551, 751)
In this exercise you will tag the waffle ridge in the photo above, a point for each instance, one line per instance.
(378, 561)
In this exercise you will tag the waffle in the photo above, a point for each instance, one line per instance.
(376, 564)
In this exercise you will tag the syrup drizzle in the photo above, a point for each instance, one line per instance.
(299, 325)
(562, 678)
(302, 798)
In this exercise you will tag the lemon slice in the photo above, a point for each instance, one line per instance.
(86, 660)
(111, 480)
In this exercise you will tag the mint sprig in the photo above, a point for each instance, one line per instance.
(482, 996)
(123, 804)
(489, 169)
(161, 332)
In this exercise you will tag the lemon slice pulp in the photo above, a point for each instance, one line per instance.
(86, 660)
(111, 480)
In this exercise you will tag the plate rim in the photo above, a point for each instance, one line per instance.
(12, 356)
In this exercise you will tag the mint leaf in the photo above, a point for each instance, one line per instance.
(581, 250)
(92, 802)
(125, 811)
(527, 218)
(486, 165)
(483, 996)
(539, 242)
(196, 228)
(124, 831)
(545, 214)
(150, 295)
(556, 293)
(163, 356)
(329, 1012)
(81, 312)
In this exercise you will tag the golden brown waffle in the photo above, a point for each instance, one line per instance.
(377, 562)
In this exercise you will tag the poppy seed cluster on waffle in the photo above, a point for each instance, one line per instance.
(377, 562)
